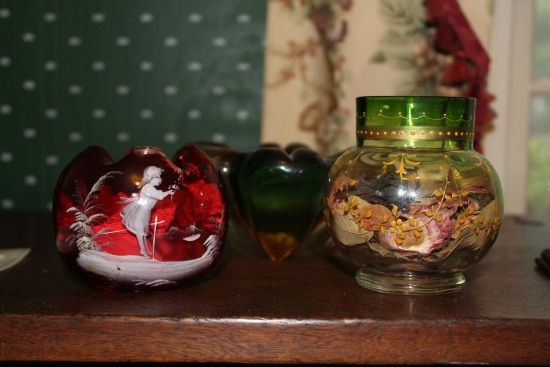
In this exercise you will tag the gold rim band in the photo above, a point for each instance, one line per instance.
(414, 133)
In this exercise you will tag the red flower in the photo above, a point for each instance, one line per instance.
(458, 73)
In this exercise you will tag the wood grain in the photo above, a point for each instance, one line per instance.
(252, 310)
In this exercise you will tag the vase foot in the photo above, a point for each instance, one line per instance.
(409, 282)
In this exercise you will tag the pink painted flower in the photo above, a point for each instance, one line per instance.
(427, 234)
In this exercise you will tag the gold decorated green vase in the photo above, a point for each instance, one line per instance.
(413, 205)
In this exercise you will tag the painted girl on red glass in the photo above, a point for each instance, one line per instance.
(136, 215)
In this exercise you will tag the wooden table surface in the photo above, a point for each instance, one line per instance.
(251, 310)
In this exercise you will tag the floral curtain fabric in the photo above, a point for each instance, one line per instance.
(321, 54)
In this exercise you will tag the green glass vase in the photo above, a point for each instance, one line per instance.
(413, 205)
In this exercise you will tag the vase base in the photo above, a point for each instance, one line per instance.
(409, 282)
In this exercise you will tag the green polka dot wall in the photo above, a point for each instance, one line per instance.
(122, 73)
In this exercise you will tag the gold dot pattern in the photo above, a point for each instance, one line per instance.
(417, 132)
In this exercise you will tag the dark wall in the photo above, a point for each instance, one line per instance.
(119, 73)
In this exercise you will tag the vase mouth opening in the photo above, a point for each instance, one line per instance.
(413, 97)
(145, 150)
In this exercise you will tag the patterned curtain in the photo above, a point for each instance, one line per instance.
(321, 54)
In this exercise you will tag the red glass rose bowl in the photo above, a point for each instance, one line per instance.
(141, 223)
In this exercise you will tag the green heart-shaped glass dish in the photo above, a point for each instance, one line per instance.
(276, 198)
